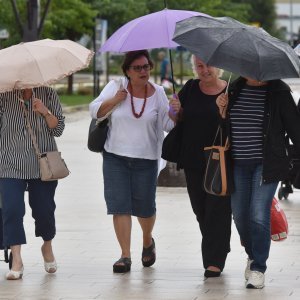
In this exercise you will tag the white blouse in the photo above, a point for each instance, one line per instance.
(132, 137)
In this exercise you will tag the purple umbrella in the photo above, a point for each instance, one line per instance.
(147, 32)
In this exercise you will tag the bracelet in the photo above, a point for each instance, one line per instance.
(47, 114)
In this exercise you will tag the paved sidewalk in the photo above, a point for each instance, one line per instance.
(86, 247)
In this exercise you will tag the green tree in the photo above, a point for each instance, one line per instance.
(216, 8)
(7, 20)
(118, 12)
(66, 19)
(263, 13)
(69, 19)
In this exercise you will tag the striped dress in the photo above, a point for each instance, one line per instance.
(246, 118)
(17, 155)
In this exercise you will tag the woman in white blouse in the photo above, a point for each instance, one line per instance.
(132, 150)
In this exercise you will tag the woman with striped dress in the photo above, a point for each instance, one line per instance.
(258, 114)
(19, 170)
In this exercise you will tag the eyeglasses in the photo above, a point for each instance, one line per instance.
(139, 68)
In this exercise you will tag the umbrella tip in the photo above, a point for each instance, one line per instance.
(297, 49)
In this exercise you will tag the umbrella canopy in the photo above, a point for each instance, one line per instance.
(39, 63)
(242, 49)
(147, 32)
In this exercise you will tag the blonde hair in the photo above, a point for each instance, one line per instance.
(219, 73)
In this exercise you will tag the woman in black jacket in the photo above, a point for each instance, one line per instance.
(258, 115)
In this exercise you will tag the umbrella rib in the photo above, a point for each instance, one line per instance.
(127, 33)
(166, 25)
(257, 55)
(35, 62)
(85, 64)
(228, 38)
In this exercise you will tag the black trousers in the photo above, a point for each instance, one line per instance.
(214, 217)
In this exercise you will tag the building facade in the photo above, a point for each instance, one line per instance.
(288, 19)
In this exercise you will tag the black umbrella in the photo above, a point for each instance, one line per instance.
(242, 49)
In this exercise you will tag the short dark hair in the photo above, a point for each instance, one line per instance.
(132, 56)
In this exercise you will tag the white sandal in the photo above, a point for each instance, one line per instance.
(15, 275)
(50, 267)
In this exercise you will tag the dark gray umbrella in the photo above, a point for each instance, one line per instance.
(242, 49)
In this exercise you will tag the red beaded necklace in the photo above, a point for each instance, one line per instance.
(132, 104)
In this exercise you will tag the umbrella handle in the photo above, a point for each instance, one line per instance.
(226, 91)
(171, 65)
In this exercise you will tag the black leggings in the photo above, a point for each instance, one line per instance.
(214, 217)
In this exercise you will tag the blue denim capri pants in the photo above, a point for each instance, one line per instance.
(129, 185)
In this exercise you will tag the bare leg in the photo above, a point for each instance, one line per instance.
(214, 269)
(17, 263)
(47, 252)
(147, 225)
(16, 271)
(122, 225)
(50, 264)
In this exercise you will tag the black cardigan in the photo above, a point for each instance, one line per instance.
(281, 116)
(199, 123)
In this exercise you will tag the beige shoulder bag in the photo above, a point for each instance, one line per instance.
(52, 166)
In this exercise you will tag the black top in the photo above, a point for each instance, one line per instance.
(200, 120)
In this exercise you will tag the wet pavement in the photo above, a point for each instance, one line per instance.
(86, 247)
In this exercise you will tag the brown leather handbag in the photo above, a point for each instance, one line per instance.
(218, 177)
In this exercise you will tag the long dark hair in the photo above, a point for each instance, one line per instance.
(132, 56)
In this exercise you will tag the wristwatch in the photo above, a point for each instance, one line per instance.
(49, 113)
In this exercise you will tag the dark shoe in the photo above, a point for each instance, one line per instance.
(209, 273)
(122, 265)
(149, 252)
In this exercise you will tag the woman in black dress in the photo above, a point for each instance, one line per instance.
(200, 119)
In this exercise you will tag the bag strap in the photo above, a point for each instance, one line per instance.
(32, 135)
(120, 83)
(99, 120)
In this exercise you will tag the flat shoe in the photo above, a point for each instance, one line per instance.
(14, 275)
(209, 273)
(123, 265)
(50, 267)
(149, 252)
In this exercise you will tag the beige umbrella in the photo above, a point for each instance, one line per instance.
(39, 63)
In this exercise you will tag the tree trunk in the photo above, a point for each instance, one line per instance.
(30, 32)
(70, 84)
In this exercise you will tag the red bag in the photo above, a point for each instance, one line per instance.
(279, 224)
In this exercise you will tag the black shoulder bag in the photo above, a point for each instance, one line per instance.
(97, 135)
(218, 177)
